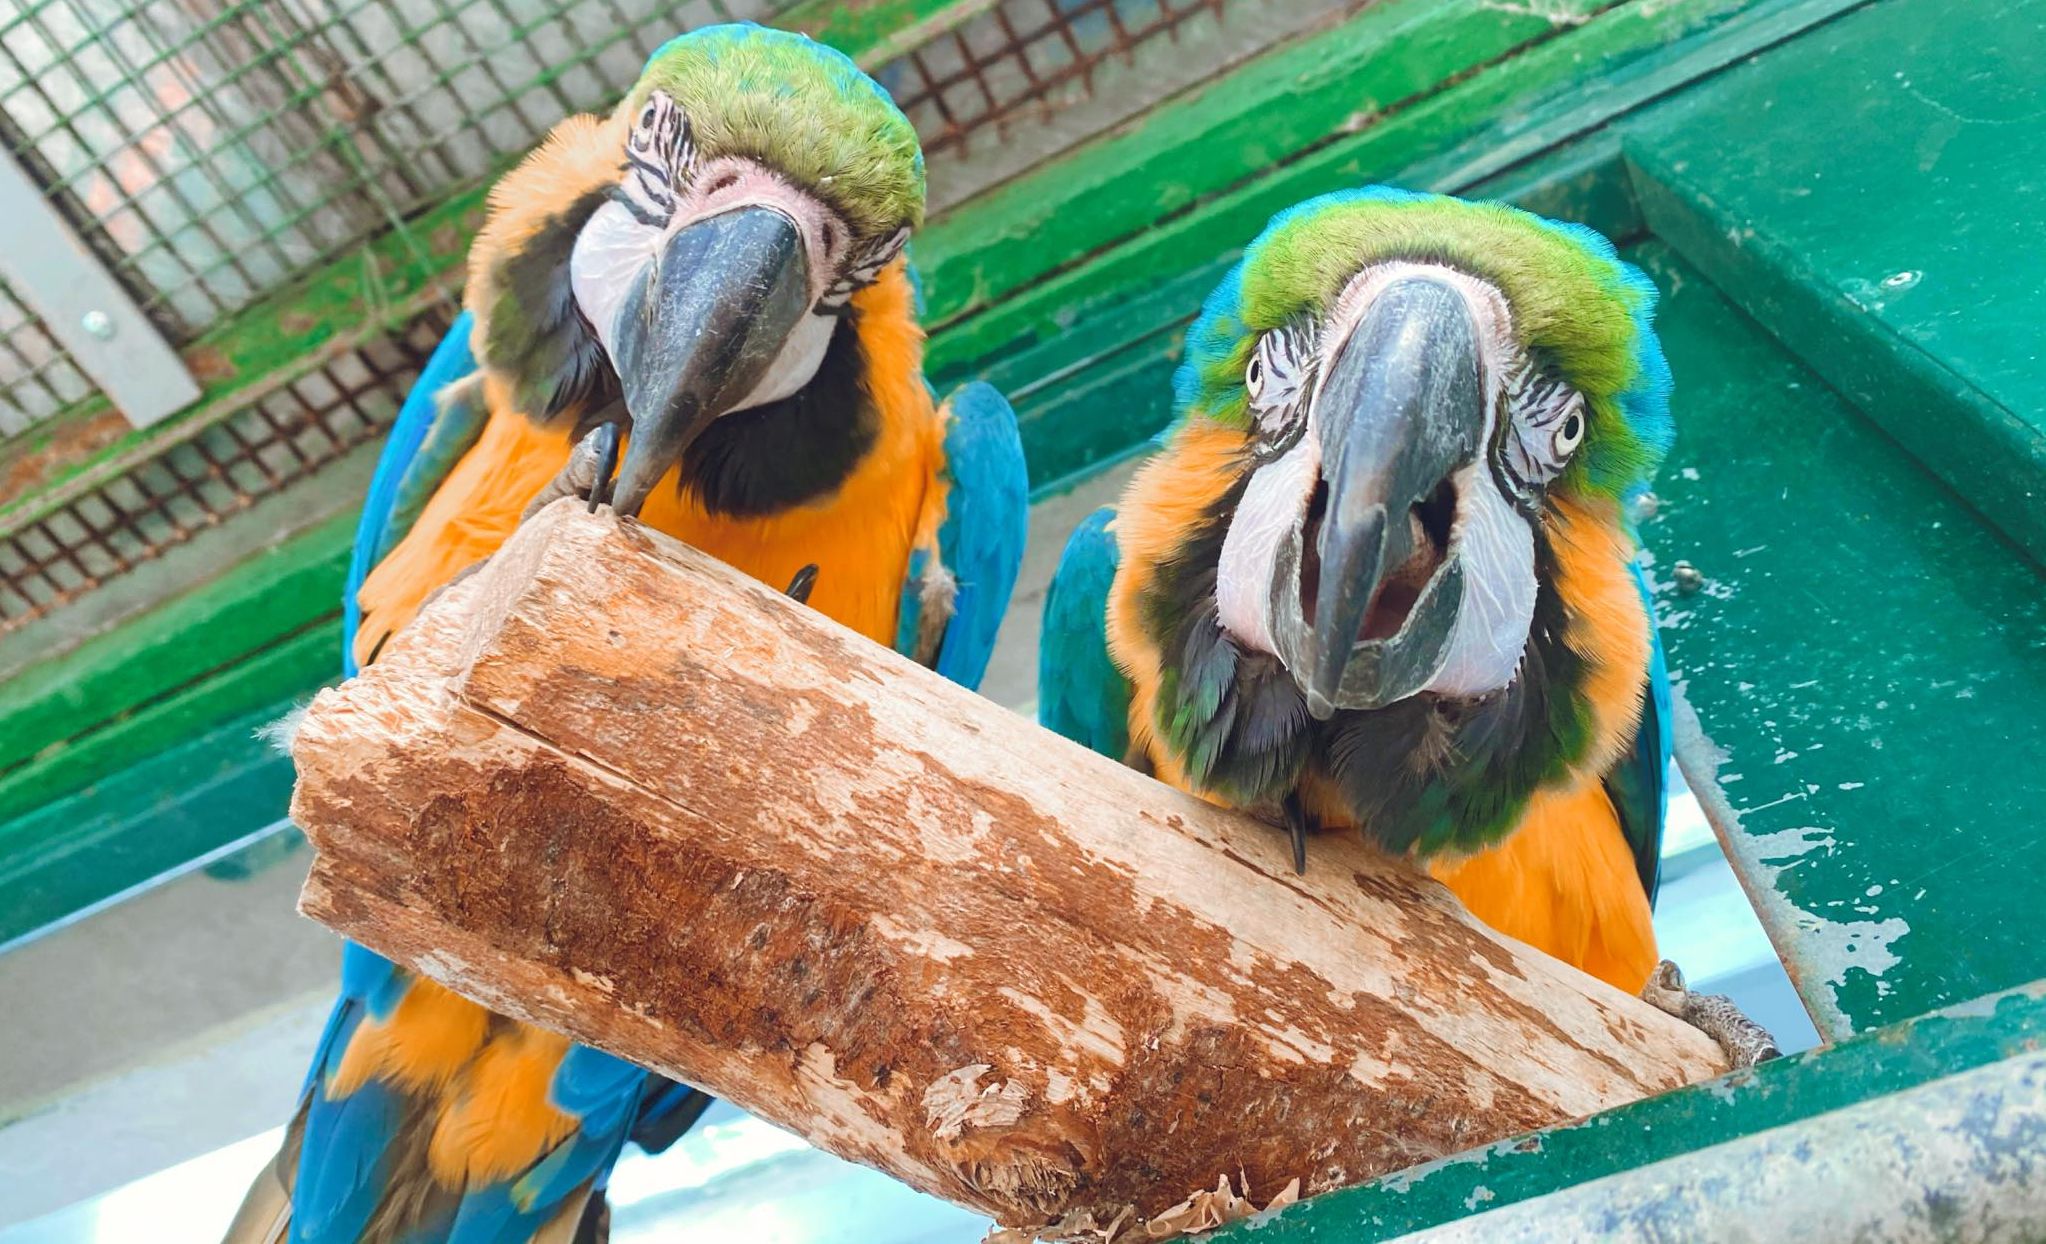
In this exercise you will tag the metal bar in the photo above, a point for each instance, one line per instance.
(85, 309)
(1963, 1158)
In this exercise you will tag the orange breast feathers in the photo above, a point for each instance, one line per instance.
(1564, 881)
(860, 537)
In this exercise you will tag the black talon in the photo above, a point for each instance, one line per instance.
(800, 586)
(602, 486)
(1296, 826)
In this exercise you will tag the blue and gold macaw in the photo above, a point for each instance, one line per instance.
(716, 267)
(1381, 575)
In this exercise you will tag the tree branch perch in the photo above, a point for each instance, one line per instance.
(612, 787)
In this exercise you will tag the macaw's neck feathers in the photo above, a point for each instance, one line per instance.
(538, 355)
(1433, 775)
(758, 462)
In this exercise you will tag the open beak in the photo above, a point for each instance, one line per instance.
(1366, 595)
(699, 333)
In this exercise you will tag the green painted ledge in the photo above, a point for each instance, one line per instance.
(1917, 1051)
(1557, 90)
(148, 820)
(196, 635)
(1220, 134)
(1862, 199)
(1866, 660)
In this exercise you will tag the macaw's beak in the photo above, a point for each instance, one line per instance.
(700, 332)
(1368, 595)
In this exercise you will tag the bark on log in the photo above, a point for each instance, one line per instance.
(612, 787)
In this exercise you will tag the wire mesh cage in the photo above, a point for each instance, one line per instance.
(210, 153)
(985, 71)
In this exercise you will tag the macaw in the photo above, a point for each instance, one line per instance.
(1381, 576)
(717, 266)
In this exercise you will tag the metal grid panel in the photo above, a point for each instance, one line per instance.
(285, 436)
(979, 76)
(210, 150)
(37, 379)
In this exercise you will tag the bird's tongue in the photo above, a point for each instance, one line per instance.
(1428, 535)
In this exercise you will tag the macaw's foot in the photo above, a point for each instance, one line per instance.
(589, 474)
(1744, 1041)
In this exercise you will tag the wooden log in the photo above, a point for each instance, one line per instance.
(612, 787)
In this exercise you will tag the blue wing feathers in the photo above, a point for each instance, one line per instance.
(1638, 781)
(451, 361)
(987, 517)
(1080, 692)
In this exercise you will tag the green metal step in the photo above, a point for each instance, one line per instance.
(166, 813)
(1872, 199)
(1867, 660)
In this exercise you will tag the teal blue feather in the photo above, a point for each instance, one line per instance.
(1638, 781)
(987, 516)
(1080, 692)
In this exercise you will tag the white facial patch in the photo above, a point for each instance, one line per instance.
(1497, 548)
(797, 363)
(1491, 538)
(616, 246)
(609, 254)
(1274, 505)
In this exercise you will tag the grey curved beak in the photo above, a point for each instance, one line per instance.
(700, 333)
(1369, 601)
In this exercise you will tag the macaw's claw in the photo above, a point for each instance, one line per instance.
(801, 586)
(1296, 828)
(1744, 1041)
(604, 483)
(588, 473)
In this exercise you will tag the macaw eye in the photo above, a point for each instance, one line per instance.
(1545, 424)
(1571, 432)
(1275, 379)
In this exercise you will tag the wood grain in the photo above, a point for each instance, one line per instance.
(612, 787)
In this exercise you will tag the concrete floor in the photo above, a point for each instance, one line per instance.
(182, 1020)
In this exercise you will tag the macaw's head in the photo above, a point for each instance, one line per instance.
(1382, 561)
(695, 253)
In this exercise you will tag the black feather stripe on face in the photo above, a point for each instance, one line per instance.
(799, 450)
(534, 335)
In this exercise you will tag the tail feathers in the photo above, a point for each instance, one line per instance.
(265, 1214)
